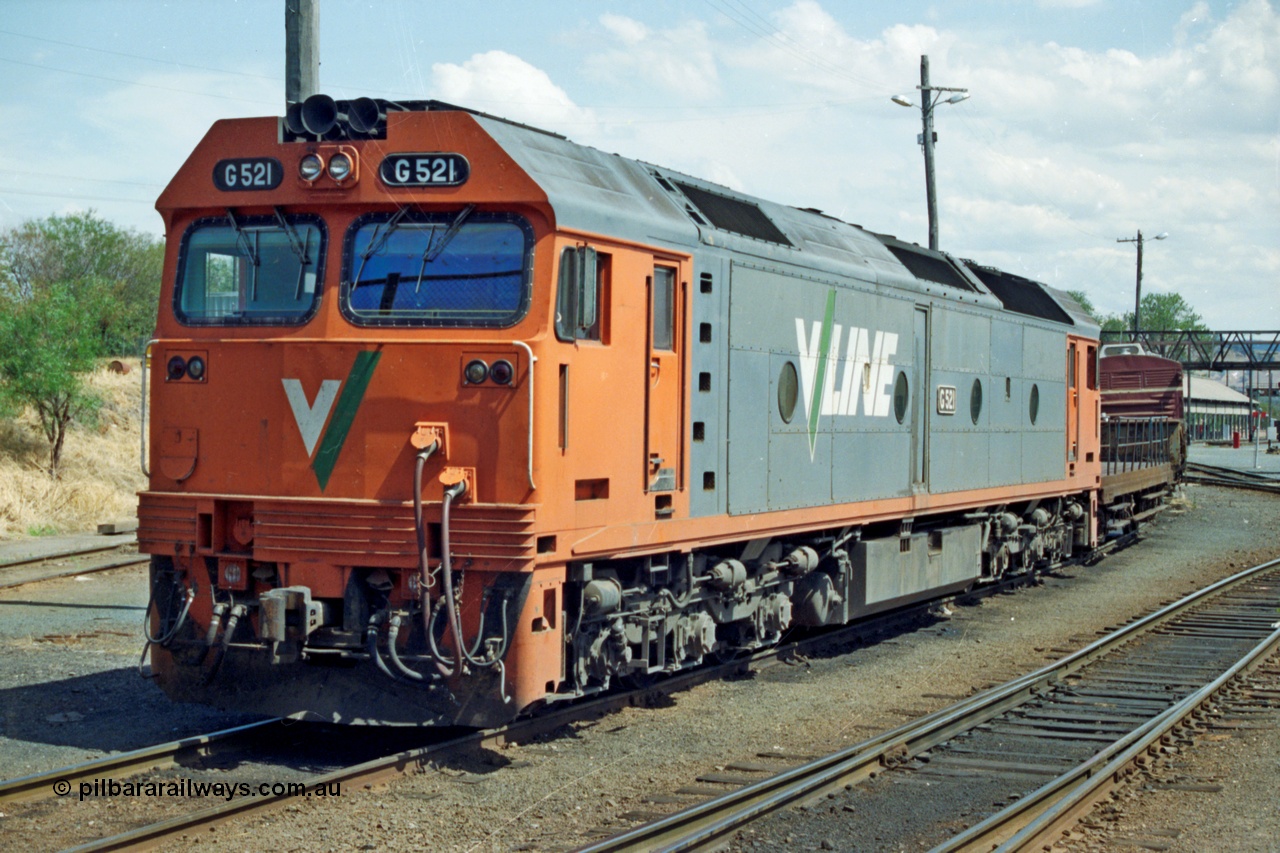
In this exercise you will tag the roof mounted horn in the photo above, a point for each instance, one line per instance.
(366, 116)
(322, 118)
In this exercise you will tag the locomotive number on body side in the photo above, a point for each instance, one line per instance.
(424, 170)
(946, 399)
(248, 173)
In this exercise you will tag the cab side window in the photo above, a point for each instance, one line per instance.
(582, 295)
(664, 287)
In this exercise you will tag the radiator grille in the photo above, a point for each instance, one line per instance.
(351, 534)
(165, 523)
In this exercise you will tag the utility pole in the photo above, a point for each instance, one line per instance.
(930, 189)
(928, 100)
(1137, 299)
(302, 50)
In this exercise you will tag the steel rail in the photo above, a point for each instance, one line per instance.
(61, 555)
(705, 822)
(1048, 810)
(123, 562)
(122, 764)
(367, 772)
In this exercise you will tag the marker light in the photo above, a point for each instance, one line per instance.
(195, 368)
(310, 167)
(339, 167)
(177, 368)
(502, 372)
(476, 372)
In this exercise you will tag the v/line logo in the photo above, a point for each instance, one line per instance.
(310, 417)
(868, 369)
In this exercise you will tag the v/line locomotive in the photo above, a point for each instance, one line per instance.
(452, 418)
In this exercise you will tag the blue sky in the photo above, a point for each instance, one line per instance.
(1089, 119)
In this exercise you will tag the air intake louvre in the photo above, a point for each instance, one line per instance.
(1021, 295)
(932, 268)
(733, 214)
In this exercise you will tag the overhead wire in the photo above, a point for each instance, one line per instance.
(754, 23)
(272, 78)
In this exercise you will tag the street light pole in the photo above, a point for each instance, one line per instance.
(928, 100)
(1137, 298)
(926, 115)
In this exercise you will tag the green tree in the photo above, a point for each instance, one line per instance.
(1108, 322)
(47, 343)
(98, 263)
(1085, 302)
(1167, 312)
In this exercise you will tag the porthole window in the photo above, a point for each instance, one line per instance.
(900, 391)
(788, 390)
(975, 400)
(1035, 403)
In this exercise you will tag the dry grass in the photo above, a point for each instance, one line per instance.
(100, 474)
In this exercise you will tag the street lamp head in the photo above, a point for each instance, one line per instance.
(955, 99)
(1162, 235)
(902, 100)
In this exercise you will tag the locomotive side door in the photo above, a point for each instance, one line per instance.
(920, 402)
(664, 397)
(1073, 403)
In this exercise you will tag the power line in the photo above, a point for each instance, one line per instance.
(129, 82)
(75, 196)
(80, 178)
(137, 56)
(754, 23)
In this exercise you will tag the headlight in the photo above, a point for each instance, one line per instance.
(475, 372)
(195, 368)
(310, 167)
(339, 167)
(177, 368)
(502, 372)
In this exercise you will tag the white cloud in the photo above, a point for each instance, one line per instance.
(627, 30)
(509, 86)
(680, 60)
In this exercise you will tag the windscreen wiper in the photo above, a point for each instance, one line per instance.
(242, 240)
(300, 248)
(434, 249)
(378, 241)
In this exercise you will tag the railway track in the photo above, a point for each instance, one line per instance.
(113, 552)
(414, 759)
(1018, 763)
(133, 762)
(1213, 475)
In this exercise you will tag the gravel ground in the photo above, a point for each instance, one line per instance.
(554, 793)
(69, 684)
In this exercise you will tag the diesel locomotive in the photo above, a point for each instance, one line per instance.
(451, 418)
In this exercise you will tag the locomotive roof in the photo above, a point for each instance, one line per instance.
(594, 192)
(597, 192)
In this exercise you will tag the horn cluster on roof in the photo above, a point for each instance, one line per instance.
(322, 118)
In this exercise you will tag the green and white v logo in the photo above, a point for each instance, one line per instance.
(311, 416)
(814, 363)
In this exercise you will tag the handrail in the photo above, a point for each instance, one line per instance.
(142, 422)
(532, 360)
